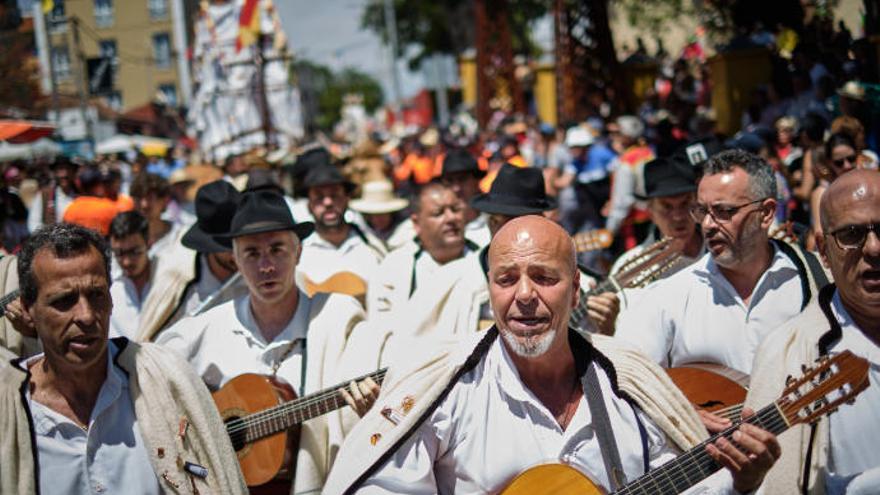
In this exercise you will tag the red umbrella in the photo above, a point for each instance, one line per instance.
(24, 131)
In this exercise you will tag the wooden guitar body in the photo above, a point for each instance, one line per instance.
(558, 479)
(263, 459)
(712, 387)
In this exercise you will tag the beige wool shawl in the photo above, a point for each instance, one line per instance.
(166, 393)
(10, 339)
(413, 386)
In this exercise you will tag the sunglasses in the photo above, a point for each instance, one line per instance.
(854, 236)
(719, 213)
(839, 163)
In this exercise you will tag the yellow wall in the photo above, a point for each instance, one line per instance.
(137, 77)
(545, 93)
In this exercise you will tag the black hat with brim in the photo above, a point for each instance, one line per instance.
(668, 177)
(461, 161)
(515, 192)
(263, 211)
(326, 175)
(215, 206)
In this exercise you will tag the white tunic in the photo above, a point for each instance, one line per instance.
(477, 230)
(225, 342)
(321, 259)
(126, 315)
(697, 316)
(853, 428)
(491, 427)
(110, 458)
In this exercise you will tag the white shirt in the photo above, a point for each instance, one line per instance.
(853, 428)
(697, 316)
(225, 342)
(126, 315)
(491, 427)
(477, 230)
(110, 458)
(321, 259)
(206, 286)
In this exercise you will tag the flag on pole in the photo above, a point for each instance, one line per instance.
(48, 6)
(248, 24)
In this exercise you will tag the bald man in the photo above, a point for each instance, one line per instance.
(470, 418)
(843, 447)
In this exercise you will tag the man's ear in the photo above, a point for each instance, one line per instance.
(415, 221)
(768, 213)
(822, 247)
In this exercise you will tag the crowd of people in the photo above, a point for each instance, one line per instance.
(600, 252)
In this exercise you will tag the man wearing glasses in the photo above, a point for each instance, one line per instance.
(839, 453)
(128, 241)
(720, 308)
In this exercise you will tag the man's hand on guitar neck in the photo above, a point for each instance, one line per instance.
(602, 310)
(749, 456)
(361, 395)
(20, 319)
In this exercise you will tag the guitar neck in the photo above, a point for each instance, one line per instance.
(579, 313)
(283, 416)
(696, 465)
(5, 300)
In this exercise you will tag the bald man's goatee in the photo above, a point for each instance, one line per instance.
(531, 346)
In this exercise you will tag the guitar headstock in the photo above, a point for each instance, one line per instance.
(823, 387)
(592, 240)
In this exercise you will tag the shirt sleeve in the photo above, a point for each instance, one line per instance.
(647, 325)
(410, 470)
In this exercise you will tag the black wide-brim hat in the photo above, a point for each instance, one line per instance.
(215, 206)
(668, 177)
(515, 192)
(461, 161)
(326, 175)
(263, 211)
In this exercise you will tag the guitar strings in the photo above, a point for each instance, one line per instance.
(696, 464)
(244, 423)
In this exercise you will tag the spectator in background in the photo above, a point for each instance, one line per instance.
(626, 215)
(786, 147)
(53, 198)
(461, 173)
(129, 289)
(93, 209)
(151, 194)
(383, 213)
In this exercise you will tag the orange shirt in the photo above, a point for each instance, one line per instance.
(95, 213)
(486, 182)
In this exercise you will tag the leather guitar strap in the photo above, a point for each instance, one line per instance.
(602, 426)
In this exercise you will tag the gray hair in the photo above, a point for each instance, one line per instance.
(762, 182)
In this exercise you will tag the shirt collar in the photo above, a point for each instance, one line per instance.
(708, 269)
(296, 328)
(353, 240)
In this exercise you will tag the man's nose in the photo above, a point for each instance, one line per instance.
(872, 244)
(84, 312)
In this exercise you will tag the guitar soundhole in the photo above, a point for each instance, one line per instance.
(237, 432)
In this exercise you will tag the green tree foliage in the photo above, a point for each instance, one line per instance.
(322, 91)
(447, 26)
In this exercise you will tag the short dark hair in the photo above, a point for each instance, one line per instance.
(416, 201)
(145, 184)
(762, 181)
(127, 223)
(66, 240)
(837, 139)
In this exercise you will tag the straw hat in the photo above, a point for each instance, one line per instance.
(378, 197)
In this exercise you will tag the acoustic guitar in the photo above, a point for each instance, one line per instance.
(638, 272)
(262, 417)
(821, 390)
(713, 387)
(339, 283)
(592, 240)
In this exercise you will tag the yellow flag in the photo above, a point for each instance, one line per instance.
(48, 6)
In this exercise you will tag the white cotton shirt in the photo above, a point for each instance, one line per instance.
(854, 431)
(697, 316)
(225, 342)
(477, 230)
(321, 259)
(491, 428)
(127, 302)
(110, 458)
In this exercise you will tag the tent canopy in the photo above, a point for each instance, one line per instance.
(24, 131)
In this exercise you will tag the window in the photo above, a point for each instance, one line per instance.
(158, 9)
(103, 13)
(61, 62)
(107, 48)
(114, 100)
(162, 50)
(169, 94)
(57, 17)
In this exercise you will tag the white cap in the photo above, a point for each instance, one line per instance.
(578, 136)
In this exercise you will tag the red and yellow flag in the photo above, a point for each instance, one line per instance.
(248, 24)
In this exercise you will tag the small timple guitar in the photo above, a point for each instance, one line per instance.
(262, 417)
(713, 387)
(5, 300)
(592, 240)
(339, 283)
(821, 390)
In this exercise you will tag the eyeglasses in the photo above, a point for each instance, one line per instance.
(719, 213)
(126, 253)
(854, 236)
(839, 163)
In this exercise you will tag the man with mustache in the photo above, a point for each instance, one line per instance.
(838, 453)
(719, 309)
(277, 330)
(530, 390)
(92, 415)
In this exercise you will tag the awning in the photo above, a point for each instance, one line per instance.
(24, 131)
